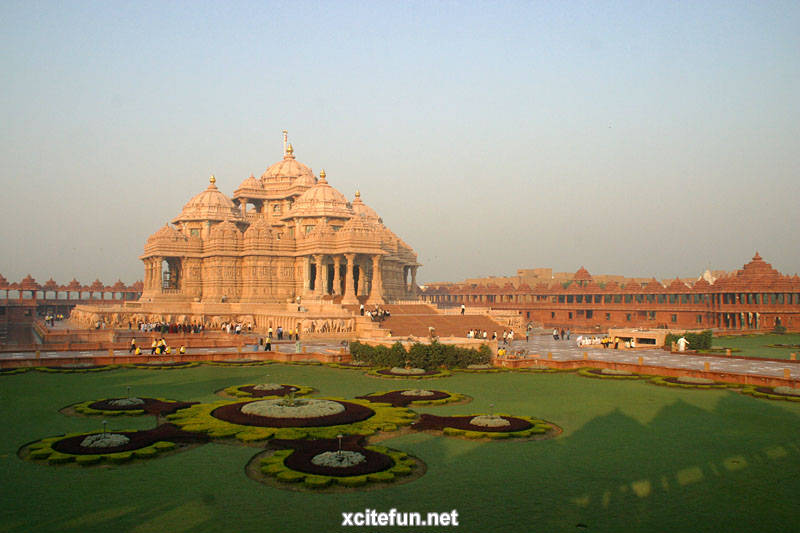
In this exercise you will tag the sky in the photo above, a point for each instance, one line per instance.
(636, 138)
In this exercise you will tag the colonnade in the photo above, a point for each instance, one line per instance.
(361, 276)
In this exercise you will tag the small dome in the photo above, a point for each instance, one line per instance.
(251, 183)
(210, 204)
(289, 171)
(321, 200)
(363, 210)
(166, 234)
(226, 232)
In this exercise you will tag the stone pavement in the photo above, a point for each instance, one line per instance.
(567, 350)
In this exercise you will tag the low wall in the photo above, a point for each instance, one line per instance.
(304, 356)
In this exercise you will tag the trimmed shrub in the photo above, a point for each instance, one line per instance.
(427, 356)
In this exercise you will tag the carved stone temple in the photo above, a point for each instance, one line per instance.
(284, 241)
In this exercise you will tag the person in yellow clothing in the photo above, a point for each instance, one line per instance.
(138, 351)
(182, 350)
(166, 349)
(153, 347)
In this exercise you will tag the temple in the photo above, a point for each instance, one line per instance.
(755, 298)
(285, 241)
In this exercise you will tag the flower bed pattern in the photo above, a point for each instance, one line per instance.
(773, 393)
(675, 382)
(167, 365)
(482, 369)
(461, 426)
(151, 406)
(225, 419)
(608, 373)
(294, 466)
(387, 373)
(239, 362)
(397, 398)
(9, 371)
(76, 368)
(248, 391)
(140, 445)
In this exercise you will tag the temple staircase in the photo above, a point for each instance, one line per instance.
(416, 319)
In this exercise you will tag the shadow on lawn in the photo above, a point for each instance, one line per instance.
(689, 469)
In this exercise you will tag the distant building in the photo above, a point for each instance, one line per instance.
(757, 297)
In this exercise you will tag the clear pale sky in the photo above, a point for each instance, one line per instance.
(637, 138)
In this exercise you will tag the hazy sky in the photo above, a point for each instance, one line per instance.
(636, 138)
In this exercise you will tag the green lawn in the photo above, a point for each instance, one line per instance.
(633, 457)
(757, 345)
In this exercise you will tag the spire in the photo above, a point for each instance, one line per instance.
(212, 180)
(322, 176)
(358, 193)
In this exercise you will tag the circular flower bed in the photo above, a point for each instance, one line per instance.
(239, 362)
(114, 447)
(266, 389)
(129, 406)
(320, 464)
(166, 365)
(412, 373)
(487, 426)
(480, 369)
(689, 382)
(9, 371)
(774, 393)
(236, 419)
(609, 373)
(404, 397)
(76, 367)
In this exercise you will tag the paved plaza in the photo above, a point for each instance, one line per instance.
(567, 350)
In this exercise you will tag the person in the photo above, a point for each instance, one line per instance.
(133, 345)
(153, 347)
(269, 332)
(463, 308)
(361, 309)
(682, 344)
(563, 334)
(137, 352)
(280, 333)
(567, 333)
(555, 334)
(182, 350)
(268, 344)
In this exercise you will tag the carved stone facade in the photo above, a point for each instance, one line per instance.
(284, 237)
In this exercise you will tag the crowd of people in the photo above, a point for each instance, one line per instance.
(50, 319)
(164, 327)
(378, 314)
(561, 334)
(157, 347)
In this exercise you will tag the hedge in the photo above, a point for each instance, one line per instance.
(697, 341)
(427, 356)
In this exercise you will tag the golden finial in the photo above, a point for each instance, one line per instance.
(322, 174)
(289, 149)
(212, 180)
(358, 193)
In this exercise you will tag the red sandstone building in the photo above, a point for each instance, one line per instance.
(756, 298)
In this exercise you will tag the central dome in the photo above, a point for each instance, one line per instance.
(288, 172)
(210, 204)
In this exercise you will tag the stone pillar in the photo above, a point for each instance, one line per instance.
(306, 276)
(413, 290)
(349, 282)
(319, 290)
(243, 205)
(361, 290)
(376, 294)
(337, 280)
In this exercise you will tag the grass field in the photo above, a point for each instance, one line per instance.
(633, 457)
(757, 345)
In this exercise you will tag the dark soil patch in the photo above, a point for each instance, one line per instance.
(397, 399)
(305, 450)
(773, 392)
(163, 365)
(138, 439)
(76, 368)
(282, 391)
(233, 413)
(388, 372)
(151, 406)
(427, 422)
